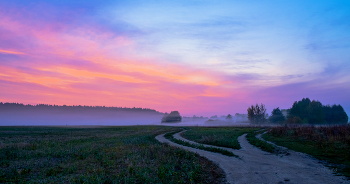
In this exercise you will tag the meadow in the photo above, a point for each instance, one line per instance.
(263, 145)
(170, 137)
(218, 136)
(133, 155)
(98, 155)
(328, 143)
(227, 137)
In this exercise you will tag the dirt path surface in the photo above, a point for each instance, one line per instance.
(256, 166)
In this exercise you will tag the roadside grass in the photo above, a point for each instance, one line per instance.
(328, 143)
(170, 137)
(98, 155)
(251, 137)
(218, 136)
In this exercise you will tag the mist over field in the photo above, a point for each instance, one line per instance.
(16, 115)
(61, 119)
(15, 118)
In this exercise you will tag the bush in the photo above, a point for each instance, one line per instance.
(174, 116)
(294, 120)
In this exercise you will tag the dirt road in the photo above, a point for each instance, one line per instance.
(256, 166)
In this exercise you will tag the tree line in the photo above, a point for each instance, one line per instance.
(304, 111)
(20, 107)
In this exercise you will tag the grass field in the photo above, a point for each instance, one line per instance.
(218, 136)
(330, 143)
(263, 145)
(98, 155)
(200, 146)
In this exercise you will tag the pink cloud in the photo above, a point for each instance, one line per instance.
(57, 63)
(92, 66)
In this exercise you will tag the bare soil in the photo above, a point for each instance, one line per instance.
(257, 166)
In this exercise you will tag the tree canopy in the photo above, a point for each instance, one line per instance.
(257, 114)
(277, 116)
(229, 117)
(174, 116)
(313, 112)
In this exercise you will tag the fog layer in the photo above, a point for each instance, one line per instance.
(19, 114)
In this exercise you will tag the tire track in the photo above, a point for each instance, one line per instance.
(256, 166)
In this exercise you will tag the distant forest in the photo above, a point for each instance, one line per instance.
(302, 112)
(73, 108)
(314, 112)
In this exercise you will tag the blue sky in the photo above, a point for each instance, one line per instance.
(272, 52)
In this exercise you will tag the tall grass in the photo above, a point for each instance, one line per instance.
(98, 155)
(330, 134)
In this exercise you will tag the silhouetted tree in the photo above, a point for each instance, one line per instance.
(339, 114)
(73, 108)
(257, 114)
(314, 112)
(277, 116)
(164, 117)
(299, 109)
(335, 114)
(174, 116)
(229, 117)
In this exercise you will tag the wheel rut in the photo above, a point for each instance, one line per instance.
(257, 166)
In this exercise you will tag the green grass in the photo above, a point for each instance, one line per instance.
(331, 144)
(259, 143)
(201, 147)
(218, 136)
(98, 155)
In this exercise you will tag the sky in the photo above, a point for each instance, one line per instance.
(197, 57)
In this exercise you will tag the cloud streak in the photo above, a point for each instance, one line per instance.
(11, 52)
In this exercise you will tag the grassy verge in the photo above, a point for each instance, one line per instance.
(218, 136)
(331, 143)
(98, 155)
(184, 143)
(259, 143)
